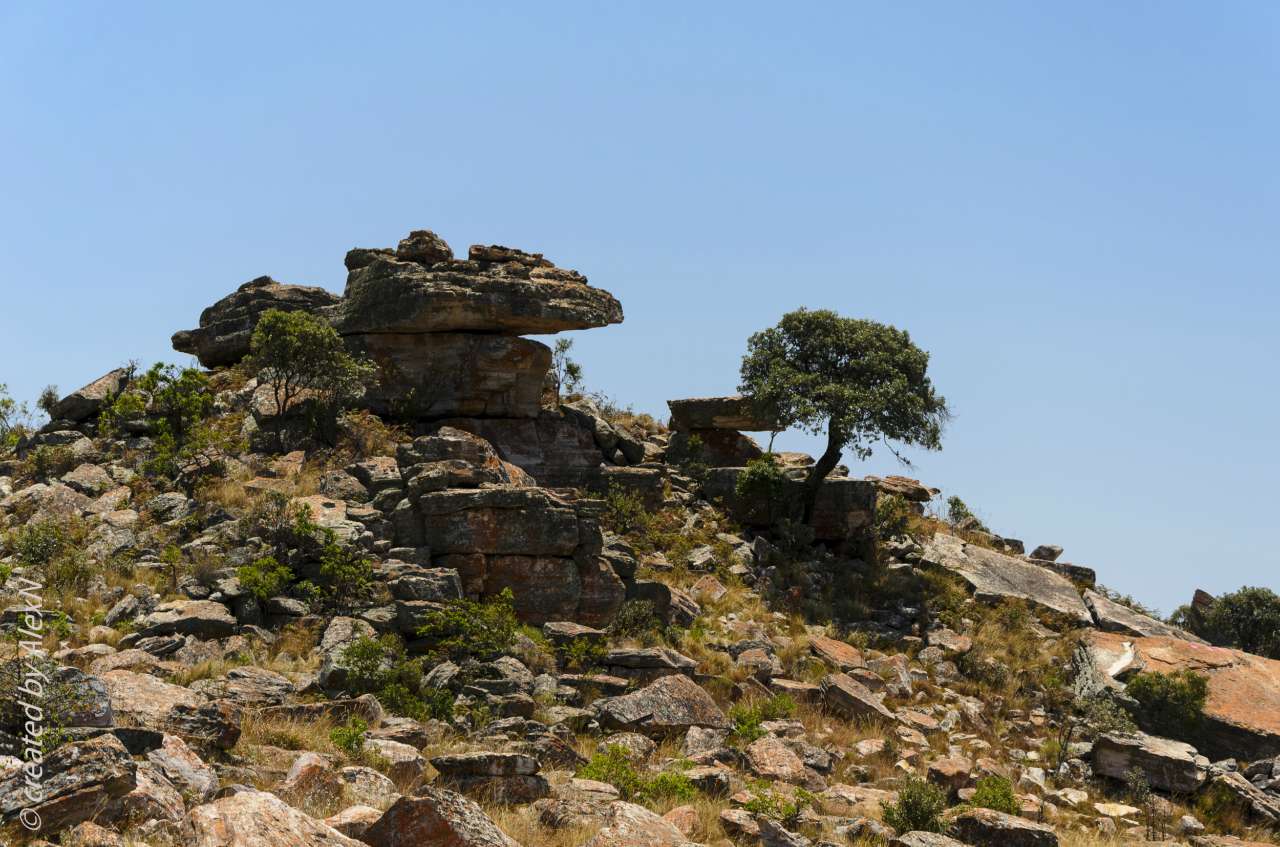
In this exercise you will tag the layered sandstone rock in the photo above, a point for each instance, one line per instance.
(1242, 714)
(844, 509)
(222, 338)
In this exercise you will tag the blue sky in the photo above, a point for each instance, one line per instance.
(1073, 207)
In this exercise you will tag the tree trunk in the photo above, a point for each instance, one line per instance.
(825, 465)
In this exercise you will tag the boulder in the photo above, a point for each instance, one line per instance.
(392, 296)
(988, 828)
(340, 634)
(499, 521)
(1230, 789)
(184, 769)
(994, 576)
(629, 825)
(140, 699)
(773, 759)
(667, 706)
(1242, 713)
(851, 699)
(733, 413)
(716, 448)
(422, 246)
(499, 777)
(845, 507)
(1046, 552)
(87, 401)
(354, 821)
(202, 618)
(925, 839)
(837, 654)
(255, 818)
(912, 490)
(435, 817)
(443, 374)
(1170, 766)
(1116, 617)
(73, 783)
(226, 327)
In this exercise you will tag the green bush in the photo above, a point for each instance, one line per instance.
(581, 654)
(624, 510)
(918, 809)
(37, 543)
(995, 792)
(465, 629)
(1171, 705)
(177, 401)
(379, 666)
(779, 807)
(14, 419)
(299, 355)
(349, 738)
(613, 766)
(635, 619)
(264, 577)
(1248, 619)
(763, 481)
(893, 515)
(745, 718)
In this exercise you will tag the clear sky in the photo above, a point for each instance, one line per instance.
(1073, 206)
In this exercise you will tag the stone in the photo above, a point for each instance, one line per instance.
(89, 834)
(340, 634)
(734, 413)
(499, 521)
(367, 786)
(925, 839)
(422, 246)
(772, 758)
(851, 699)
(951, 773)
(716, 448)
(995, 576)
(988, 828)
(709, 589)
(76, 782)
(354, 821)
(88, 479)
(184, 769)
(1230, 788)
(250, 818)
(1242, 713)
(444, 374)
(1116, 617)
(838, 654)
(1170, 766)
(405, 765)
(845, 508)
(499, 777)
(629, 825)
(139, 699)
(669, 705)
(1115, 810)
(202, 618)
(911, 490)
(311, 780)
(436, 817)
(390, 296)
(86, 402)
(1046, 553)
(226, 327)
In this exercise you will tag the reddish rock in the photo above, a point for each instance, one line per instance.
(951, 773)
(988, 828)
(354, 821)
(771, 758)
(838, 654)
(1242, 714)
(668, 705)
(629, 825)
(436, 818)
(256, 818)
(851, 699)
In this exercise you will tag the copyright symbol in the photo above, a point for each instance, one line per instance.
(30, 819)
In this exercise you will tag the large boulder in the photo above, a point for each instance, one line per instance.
(557, 448)
(845, 696)
(988, 828)
(74, 783)
(499, 521)
(1116, 617)
(1170, 766)
(227, 326)
(87, 401)
(446, 374)
(436, 818)
(629, 825)
(1242, 713)
(669, 705)
(256, 818)
(388, 295)
(994, 576)
(845, 508)
(202, 618)
(735, 413)
(498, 777)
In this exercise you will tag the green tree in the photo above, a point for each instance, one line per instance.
(300, 355)
(1248, 619)
(859, 381)
(565, 371)
(14, 418)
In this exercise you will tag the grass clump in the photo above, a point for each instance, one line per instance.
(613, 766)
(264, 577)
(995, 792)
(746, 718)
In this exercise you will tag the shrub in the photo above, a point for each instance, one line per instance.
(62, 699)
(779, 807)
(613, 766)
(349, 738)
(264, 577)
(746, 717)
(624, 510)
(466, 629)
(1248, 619)
(14, 419)
(995, 792)
(379, 666)
(1172, 704)
(566, 373)
(347, 574)
(957, 510)
(763, 481)
(893, 515)
(581, 654)
(918, 809)
(635, 619)
(299, 354)
(177, 399)
(48, 398)
(38, 543)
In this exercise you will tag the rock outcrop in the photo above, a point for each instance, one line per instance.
(1242, 714)
(226, 327)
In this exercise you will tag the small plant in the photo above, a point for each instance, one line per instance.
(48, 399)
(779, 807)
(582, 654)
(995, 792)
(264, 577)
(624, 510)
(466, 629)
(38, 543)
(349, 738)
(763, 481)
(15, 419)
(957, 510)
(565, 371)
(918, 809)
(347, 573)
(893, 516)
(1172, 704)
(747, 717)
(379, 666)
(613, 766)
(635, 619)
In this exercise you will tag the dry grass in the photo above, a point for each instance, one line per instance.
(521, 823)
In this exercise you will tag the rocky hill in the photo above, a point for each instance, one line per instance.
(475, 610)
